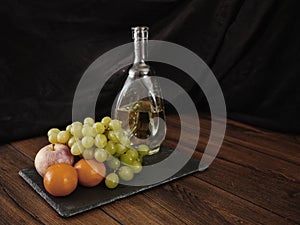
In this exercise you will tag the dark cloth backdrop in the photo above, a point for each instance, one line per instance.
(252, 46)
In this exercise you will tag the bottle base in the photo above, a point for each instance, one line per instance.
(154, 150)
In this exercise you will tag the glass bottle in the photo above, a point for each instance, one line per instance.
(140, 103)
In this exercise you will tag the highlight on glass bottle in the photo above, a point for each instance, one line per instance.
(140, 103)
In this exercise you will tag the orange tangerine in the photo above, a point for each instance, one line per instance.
(60, 179)
(90, 172)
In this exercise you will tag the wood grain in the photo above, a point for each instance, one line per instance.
(255, 179)
(23, 203)
(275, 194)
(30, 146)
(140, 209)
(196, 201)
(128, 210)
(283, 146)
(259, 175)
(243, 155)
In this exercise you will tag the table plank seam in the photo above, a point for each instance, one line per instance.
(258, 170)
(156, 202)
(244, 199)
(245, 146)
(260, 151)
(252, 167)
(20, 151)
(230, 140)
(20, 207)
(107, 213)
(248, 127)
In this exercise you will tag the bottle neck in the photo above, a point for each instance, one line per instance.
(140, 37)
(140, 51)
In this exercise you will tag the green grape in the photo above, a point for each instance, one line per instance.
(114, 163)
(76, 123)
(106, 121)
(99, 127)
(63, 137)
(120, 149)
(77, 148)
(111, 147)
(71, 141)
(109, 156)
(52, 138)
(116, 155)
(126, 159)
(68, 128)
(100, 154)
(124, 140)
(87, 130)
(88, 153)
(76, 129)
(143, 150)
(126, 173)
(87, 141)
(94, 132)
(112, 180)
(140, 159)
(114, 125)
(136, 167)
(100, 140)
(133, 153)
(111, 136)
(53, 131)
(118, 134)
(89, 120)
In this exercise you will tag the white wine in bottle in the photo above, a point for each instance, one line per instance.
(140, 104)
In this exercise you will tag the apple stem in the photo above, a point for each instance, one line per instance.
(52, 147)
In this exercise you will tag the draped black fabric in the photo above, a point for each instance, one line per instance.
(253, 48)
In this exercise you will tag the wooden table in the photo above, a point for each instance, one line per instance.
(254, 180)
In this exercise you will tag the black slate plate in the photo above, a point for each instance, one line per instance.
(83, 199)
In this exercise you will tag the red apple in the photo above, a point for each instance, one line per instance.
(50, 155)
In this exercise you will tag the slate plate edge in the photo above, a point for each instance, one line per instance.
(63, 213)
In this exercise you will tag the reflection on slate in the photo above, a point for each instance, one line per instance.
(83, 199)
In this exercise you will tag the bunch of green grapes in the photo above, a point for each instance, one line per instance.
(103, 141)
